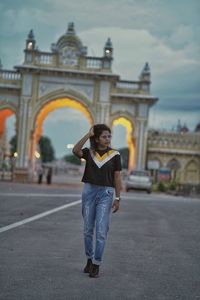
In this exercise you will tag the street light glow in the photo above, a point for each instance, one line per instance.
(70, 146)
(37, 154)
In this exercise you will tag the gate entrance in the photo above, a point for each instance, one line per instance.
(67, 76)
(7, 157)
(129, 139)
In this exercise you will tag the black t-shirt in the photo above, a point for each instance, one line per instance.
(100, 166)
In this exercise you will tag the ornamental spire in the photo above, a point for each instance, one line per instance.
(145, 74)
(31, 35)
(108, 49)
(70, 29)
(30, 42)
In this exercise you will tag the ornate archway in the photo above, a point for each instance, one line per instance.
(129, 139)
(42, 113)
(191, 172)
(67, 76)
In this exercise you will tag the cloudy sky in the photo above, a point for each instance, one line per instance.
(163, 33)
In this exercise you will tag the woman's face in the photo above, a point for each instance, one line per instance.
(104, 139)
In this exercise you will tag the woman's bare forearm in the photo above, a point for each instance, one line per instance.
(77, 150)
(117, 183)
(78, 147)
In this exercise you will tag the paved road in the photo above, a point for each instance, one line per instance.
(153, 250)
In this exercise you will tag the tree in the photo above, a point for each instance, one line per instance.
(13, 145)
(72, 159)
(124, 157)
(46, 149)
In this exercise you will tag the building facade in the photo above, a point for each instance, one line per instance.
(175, 156)
(67, 77)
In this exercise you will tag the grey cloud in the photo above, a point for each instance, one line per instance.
(164, 33)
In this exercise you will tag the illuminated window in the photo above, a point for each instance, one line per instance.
(30, 46)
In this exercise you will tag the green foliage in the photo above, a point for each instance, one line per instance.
(46, 149)
(173, 186)
(13, 145)
(161, 187)
(72, 159)
(124, 157)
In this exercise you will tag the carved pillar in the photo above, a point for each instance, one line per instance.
(141, 135)
(103, 105)
(23, 136)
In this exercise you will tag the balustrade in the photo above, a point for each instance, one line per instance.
(123, 84)
(9, 75)
(93, 63)
(44, 58)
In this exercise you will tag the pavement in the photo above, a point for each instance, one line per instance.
(152, 252)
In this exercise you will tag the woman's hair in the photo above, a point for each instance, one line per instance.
(98, 129)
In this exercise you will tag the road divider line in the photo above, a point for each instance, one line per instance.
(39, 216)
(39, 195)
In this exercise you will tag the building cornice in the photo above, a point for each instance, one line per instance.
(174, 151)
(6, 86)
(135, 97)
(91, 74)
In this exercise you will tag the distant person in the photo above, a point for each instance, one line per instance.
(101, 177)
(40, 173)
(49, 175)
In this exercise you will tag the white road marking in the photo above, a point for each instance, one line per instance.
(39, 195)
(39, 216)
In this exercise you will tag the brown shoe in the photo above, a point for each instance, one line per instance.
(94, 271)
(88, 266)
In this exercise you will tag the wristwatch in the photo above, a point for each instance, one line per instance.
(117, 198)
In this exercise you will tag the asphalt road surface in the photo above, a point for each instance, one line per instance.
(152, 252)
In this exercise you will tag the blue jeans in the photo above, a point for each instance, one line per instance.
(96, 208)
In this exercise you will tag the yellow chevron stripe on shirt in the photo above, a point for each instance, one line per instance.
(101, 160)
(107, 154)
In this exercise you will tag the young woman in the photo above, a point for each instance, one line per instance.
(101, 178)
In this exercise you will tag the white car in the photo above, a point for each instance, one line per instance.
(139, 180)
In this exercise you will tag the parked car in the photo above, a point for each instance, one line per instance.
(139, 180)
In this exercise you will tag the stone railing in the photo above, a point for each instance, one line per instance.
(93, 63)
(51, 59)
(176, 140)
(45, 58)
(9, 75)
(125, 84)
(132, 86)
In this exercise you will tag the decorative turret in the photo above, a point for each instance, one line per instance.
(30, 42)
(184, 128)
(108, 55)
(70, 29)
(108, 49)
(197, 129)
(145, 74)
(178, 126)
(69, 46)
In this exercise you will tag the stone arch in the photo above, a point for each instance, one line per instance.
(8, 105)
(6, 110)
(49, 103)
(191, 172)
(69, 98)
(129, 124)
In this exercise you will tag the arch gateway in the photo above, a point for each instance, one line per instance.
(67, 76)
